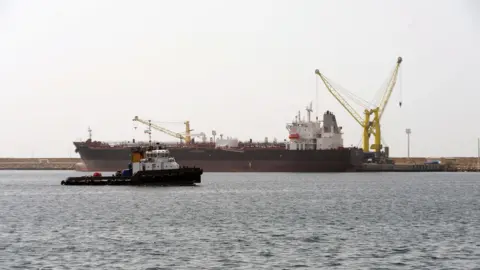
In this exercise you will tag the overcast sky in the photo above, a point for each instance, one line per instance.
(243, 68)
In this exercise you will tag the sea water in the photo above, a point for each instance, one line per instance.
(243, 221)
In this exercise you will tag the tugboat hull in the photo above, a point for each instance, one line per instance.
(174, 177)
(184, 176)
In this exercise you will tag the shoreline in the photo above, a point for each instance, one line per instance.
(31, 164)
(37, 169)
(70, 164)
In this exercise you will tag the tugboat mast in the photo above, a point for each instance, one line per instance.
(149, 132)
(89, 133)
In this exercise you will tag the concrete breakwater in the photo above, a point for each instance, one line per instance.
(38, 163)
(454, 163)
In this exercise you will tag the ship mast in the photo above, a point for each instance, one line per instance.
(309, 112)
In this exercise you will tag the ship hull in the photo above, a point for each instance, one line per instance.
(253, 160)
(231, 166)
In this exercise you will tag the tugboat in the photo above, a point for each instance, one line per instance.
(148, 166)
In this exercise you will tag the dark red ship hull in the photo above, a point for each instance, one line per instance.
(249, 160)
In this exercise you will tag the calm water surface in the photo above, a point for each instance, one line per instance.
(243, 221)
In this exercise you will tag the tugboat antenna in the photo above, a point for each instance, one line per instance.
(150, 132)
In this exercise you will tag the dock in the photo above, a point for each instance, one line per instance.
(456, 164)
(372, 167)
(39, 163)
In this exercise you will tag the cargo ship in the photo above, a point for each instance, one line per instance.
(312, 146)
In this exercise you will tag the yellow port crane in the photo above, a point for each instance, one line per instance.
(187, 137)
(369, 125)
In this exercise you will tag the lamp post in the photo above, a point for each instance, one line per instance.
(408, 131)
(478, 154)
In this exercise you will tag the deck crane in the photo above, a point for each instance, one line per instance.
(187, 137)
(371, 122)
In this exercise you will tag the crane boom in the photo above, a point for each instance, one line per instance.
(341, 99)
(389, 90)
(164, 130)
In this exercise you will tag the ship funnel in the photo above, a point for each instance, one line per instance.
(330, 123)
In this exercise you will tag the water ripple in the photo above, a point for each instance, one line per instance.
(243, 221)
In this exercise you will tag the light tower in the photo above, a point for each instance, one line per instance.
(408, 132)
(478, 154)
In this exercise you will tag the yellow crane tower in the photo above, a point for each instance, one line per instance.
(187, 137)
(370, 125)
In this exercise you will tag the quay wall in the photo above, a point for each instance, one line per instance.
(457, 163)
(38, 163)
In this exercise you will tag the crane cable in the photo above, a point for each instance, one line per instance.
(382, 90)
(316, 96)
(345, 93)
(400, 86)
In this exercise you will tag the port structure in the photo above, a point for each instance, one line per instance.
(371, 122)
(186, 136)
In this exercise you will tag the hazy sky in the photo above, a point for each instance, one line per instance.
(243, 68)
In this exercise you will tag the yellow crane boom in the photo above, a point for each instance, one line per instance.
(341, 99)
(373, 126)
(390, 87)
(186, 137)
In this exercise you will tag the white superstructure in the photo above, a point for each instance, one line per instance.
(226, 142)
(314, 135)
(159, 159)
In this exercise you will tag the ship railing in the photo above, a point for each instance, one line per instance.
(263, 145)
(113, 144)
(119, 144)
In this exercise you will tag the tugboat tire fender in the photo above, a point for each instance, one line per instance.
(62, 183)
